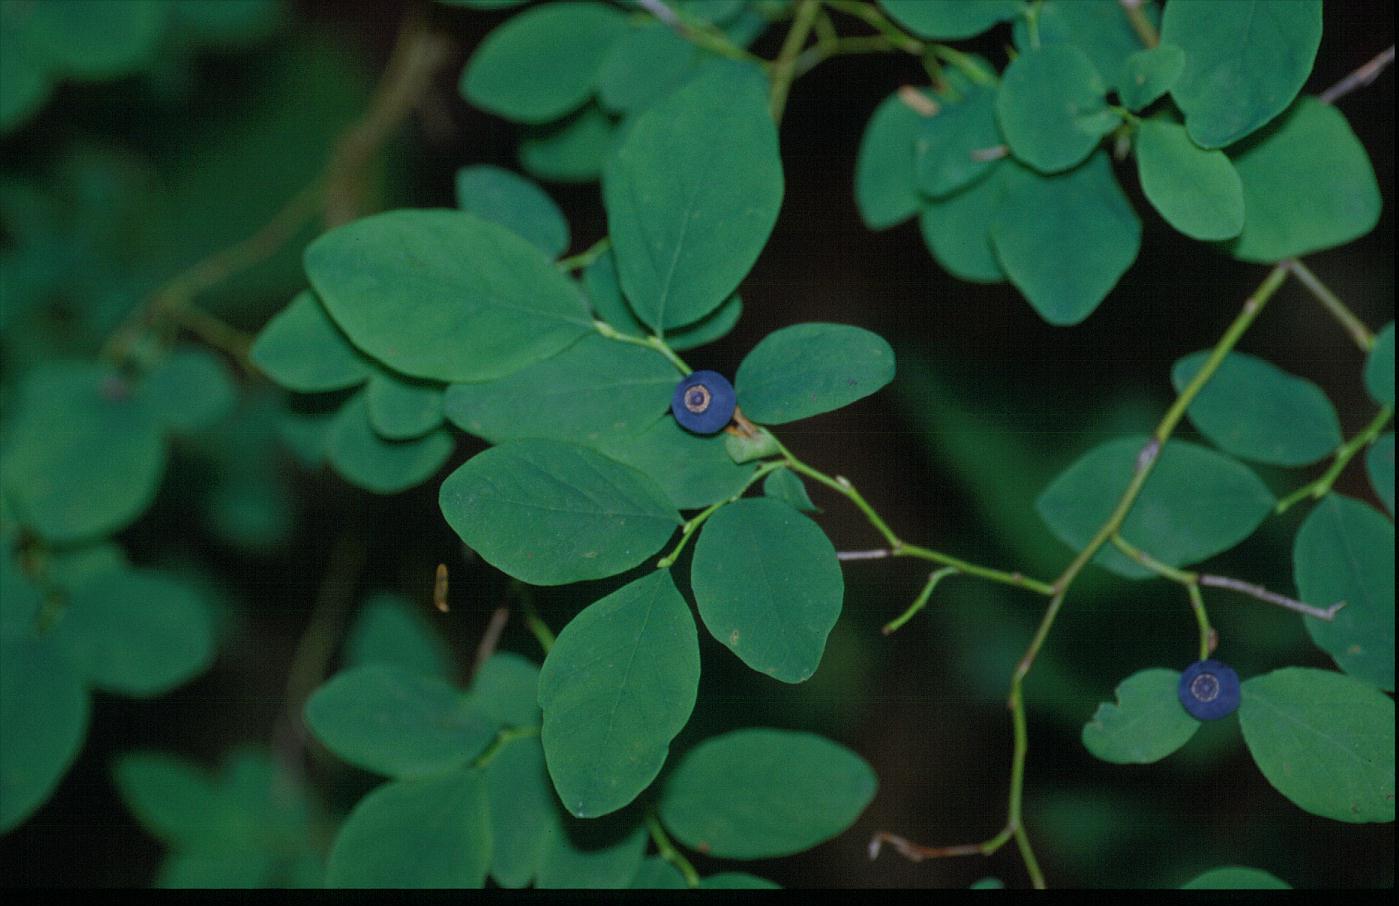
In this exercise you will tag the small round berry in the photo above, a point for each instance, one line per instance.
(1209, 690)
(703, 402)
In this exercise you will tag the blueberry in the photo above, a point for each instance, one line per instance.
(703, 402)
(1209, 690)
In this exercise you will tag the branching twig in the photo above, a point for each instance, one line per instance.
(1360, 77)
(1362, 335)
(1271, 597)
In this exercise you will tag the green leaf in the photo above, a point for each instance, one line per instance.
(1244, 62)
(44, 712)
(1379, 464)
(176, 800)
(946, 144)
(515, 203)
(1149, 74)
(301, 349)
(392, 630)
(886, 191)
(689, 216)
(692, 470)
(1345, 552)
(506, 689)
(396, 721)
(1236, 877)
(1096, 27)
(1323, 740)
(644, 65)
(785, 486)
(542, 63)
(189, 390)
(1197, 191)
(96, 41)
(1052, 108)
(616, 688)
(951, 19)
(1065, 240)
(745, 448)
(957, 229)
(768, 586)
(444, 295)
(138, 632)
(604, 853)
(551, 513)
(1308, 186)
(806, 369)
(400, 408)
(84, 454)
(20, 600)
(594, 389)
(433, 832)
(1255, 410)
(306, 436)
(1196, 503)
(571, 150)
(737, 880)
(367, 460)
(605, 292)
(524, 811)
(658, 874)
(1146, 724)
(1379, 367)
(762, 793)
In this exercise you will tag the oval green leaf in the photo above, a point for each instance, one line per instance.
(1379, 464)
(596, 389)
(44, 712)
(692, 470)
(506, 689)
(1065, 240)
(1255, 410)
(763, 793)
(301, 349)
(1323, 740)
(1379, 367)
(1236, 877)
(551, 513)
(390, 629)
(367, 460)
(951, 19)
(768, 585)
(1148, 74)
(543, 63)
(945, 147)
(1052, 108)
(190, 389)
(688, 216)
(1244, 62)
(1197, 191)
(1196, 503)
(957, 229)
(617, 686)
(886, 191)
(1345, 552)
(1308, 186)
(136, 632)
(444, 295)
(1146, 724)
(400, 408)
(433, 832)
(515, 203)
(806, 369)
(524, 811)
(397, 721)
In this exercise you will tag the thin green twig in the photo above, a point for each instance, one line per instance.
(921, 601)
(668, 851)
(1333, 304)
(586, 257)
(1344, 454)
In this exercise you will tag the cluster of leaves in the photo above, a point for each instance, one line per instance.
(1009, 180)
(89, 439)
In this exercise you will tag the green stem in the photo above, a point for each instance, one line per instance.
(919, 602)
(670, 853)
(1344, 454)
(871, 15)
(654, 343)
(1140, 23)
(690, 527)
(536, 624)
(1333, 304)
(1022, 840)
(1202, 619)
(784, 67)
(502, 739)
(586, 257)
(1190, 581)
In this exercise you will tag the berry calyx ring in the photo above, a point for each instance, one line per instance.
(703, 402)
(1209, 690)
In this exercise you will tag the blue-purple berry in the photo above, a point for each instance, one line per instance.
(703, 402)
(1209, 690)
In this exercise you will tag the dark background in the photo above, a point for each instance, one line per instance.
(925, 706)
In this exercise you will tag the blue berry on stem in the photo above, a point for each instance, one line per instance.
(1209, 690)
(703, 402)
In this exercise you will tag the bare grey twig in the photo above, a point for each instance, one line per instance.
(1360, 78)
